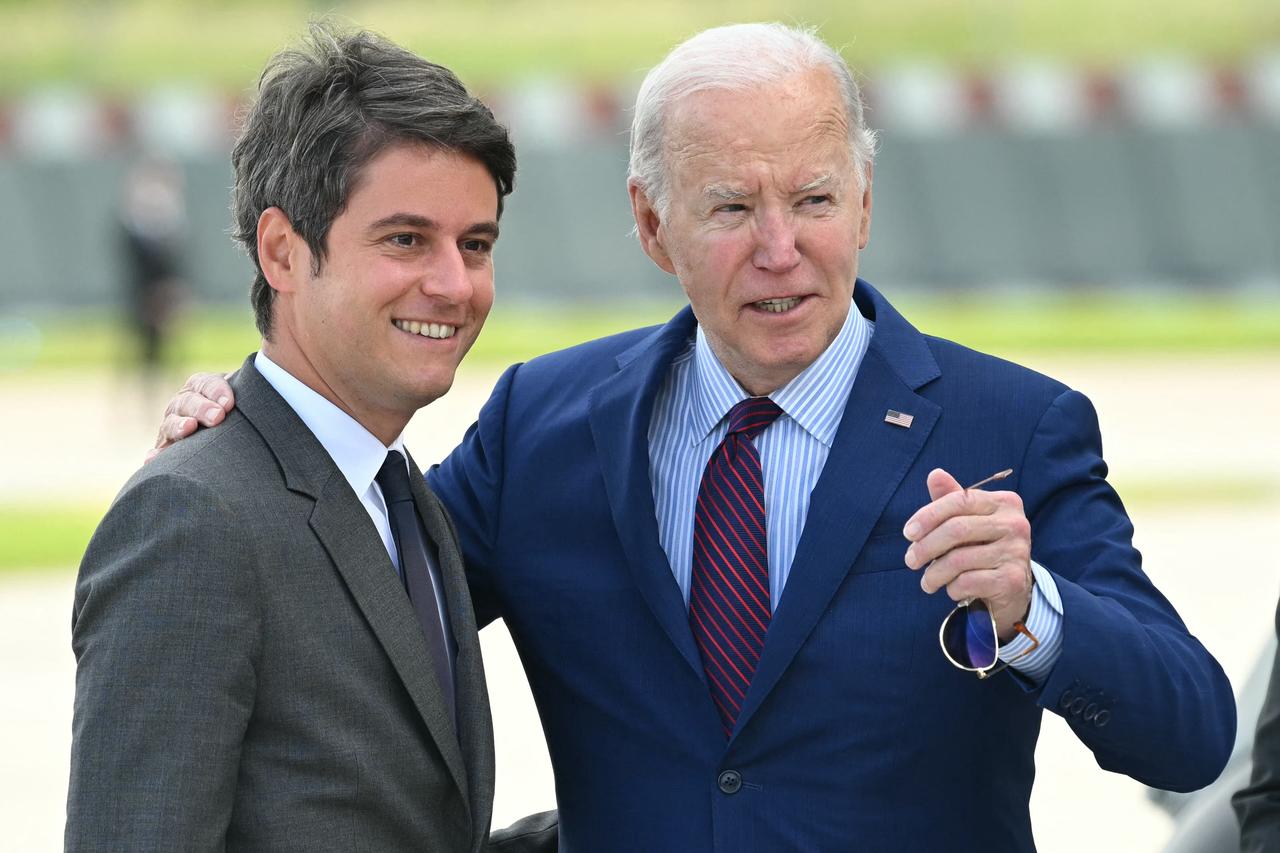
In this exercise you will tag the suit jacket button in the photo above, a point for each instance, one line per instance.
(1077, 705)
(1065, 702)
(1090, 711)
(1102, 718)
(730, 781)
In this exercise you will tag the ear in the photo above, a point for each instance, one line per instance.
(649, 227)
(283, 255)
(864, 227)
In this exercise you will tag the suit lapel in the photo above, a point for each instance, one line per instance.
(475, 725)
(621, 409)
(868, 460)
(342, 525)
(366, 568)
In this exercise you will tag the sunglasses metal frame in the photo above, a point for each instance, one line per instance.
(996, 665)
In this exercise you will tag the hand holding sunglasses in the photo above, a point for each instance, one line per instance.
(976, 544)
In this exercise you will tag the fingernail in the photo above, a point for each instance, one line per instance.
(222, 401)
(910, 558)
(924, 586)
(912, 530)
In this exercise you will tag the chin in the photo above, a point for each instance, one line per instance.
(789, 363)
(415, 395)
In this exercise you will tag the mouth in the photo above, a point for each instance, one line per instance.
(437, 331)
(778, 305)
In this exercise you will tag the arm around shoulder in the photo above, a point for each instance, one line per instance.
(165, 630)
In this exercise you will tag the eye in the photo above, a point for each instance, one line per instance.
(730, 208)
(477, 246)
(813, 200)
(404, 241)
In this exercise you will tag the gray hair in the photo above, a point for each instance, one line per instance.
(734, 58)
(324, 110)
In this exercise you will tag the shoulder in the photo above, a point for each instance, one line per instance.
(974, 370)
(600, 355)
(986, 395)
(229, 458)
(214, 482)
(946, 371)
(563, 381)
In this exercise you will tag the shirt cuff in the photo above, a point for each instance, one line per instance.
(1045, 622)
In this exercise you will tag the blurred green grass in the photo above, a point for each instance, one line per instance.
(52, 537)
(130, 44)
(45, 536)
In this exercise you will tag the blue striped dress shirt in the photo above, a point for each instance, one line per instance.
(689, 423)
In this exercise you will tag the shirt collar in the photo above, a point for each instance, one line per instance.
(356, 451)
(814, 399)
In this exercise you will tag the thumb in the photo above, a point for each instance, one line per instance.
(941, 483)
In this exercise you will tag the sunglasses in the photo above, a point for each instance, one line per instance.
(968, 634)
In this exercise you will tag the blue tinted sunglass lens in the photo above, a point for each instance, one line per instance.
(970, 636)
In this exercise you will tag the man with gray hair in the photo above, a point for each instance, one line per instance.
(718, 543)
(275, 645)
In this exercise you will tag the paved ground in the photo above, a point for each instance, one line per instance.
(1163, 419)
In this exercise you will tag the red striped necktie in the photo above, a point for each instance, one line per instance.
(729, 591)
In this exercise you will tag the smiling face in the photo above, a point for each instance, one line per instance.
(765, 222)
(403, 290)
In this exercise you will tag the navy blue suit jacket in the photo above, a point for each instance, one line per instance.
(856, 733)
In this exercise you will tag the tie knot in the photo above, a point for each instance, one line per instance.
(393, 478)
(752, 415)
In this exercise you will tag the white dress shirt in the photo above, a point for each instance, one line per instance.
(689, 422)
(357, 453)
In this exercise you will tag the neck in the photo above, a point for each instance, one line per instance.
(385, 426)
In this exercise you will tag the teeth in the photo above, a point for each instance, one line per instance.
(777, 306)
(439, 331)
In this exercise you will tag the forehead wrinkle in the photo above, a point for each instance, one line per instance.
(693, 142)
(833, 122)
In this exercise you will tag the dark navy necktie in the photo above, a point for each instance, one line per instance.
(415, 564)
(729, 590)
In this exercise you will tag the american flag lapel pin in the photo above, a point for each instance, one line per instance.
(898, 419)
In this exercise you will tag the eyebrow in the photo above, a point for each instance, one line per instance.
(720, 192)
(723, 192)
(814, 184)
(413, 220)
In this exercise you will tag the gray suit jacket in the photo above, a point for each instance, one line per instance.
(250, 672)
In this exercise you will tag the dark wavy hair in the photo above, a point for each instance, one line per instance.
(323, 111)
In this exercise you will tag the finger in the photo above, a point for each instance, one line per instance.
(174, 428)
(941, 483)
(969, 559)
(213, 387)
(954, 532)
(950, 505)
(977, 584)
(193, 404)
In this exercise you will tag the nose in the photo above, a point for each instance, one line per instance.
(775, 243)
(446, 275)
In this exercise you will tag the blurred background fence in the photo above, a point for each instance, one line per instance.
(1043, 175)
